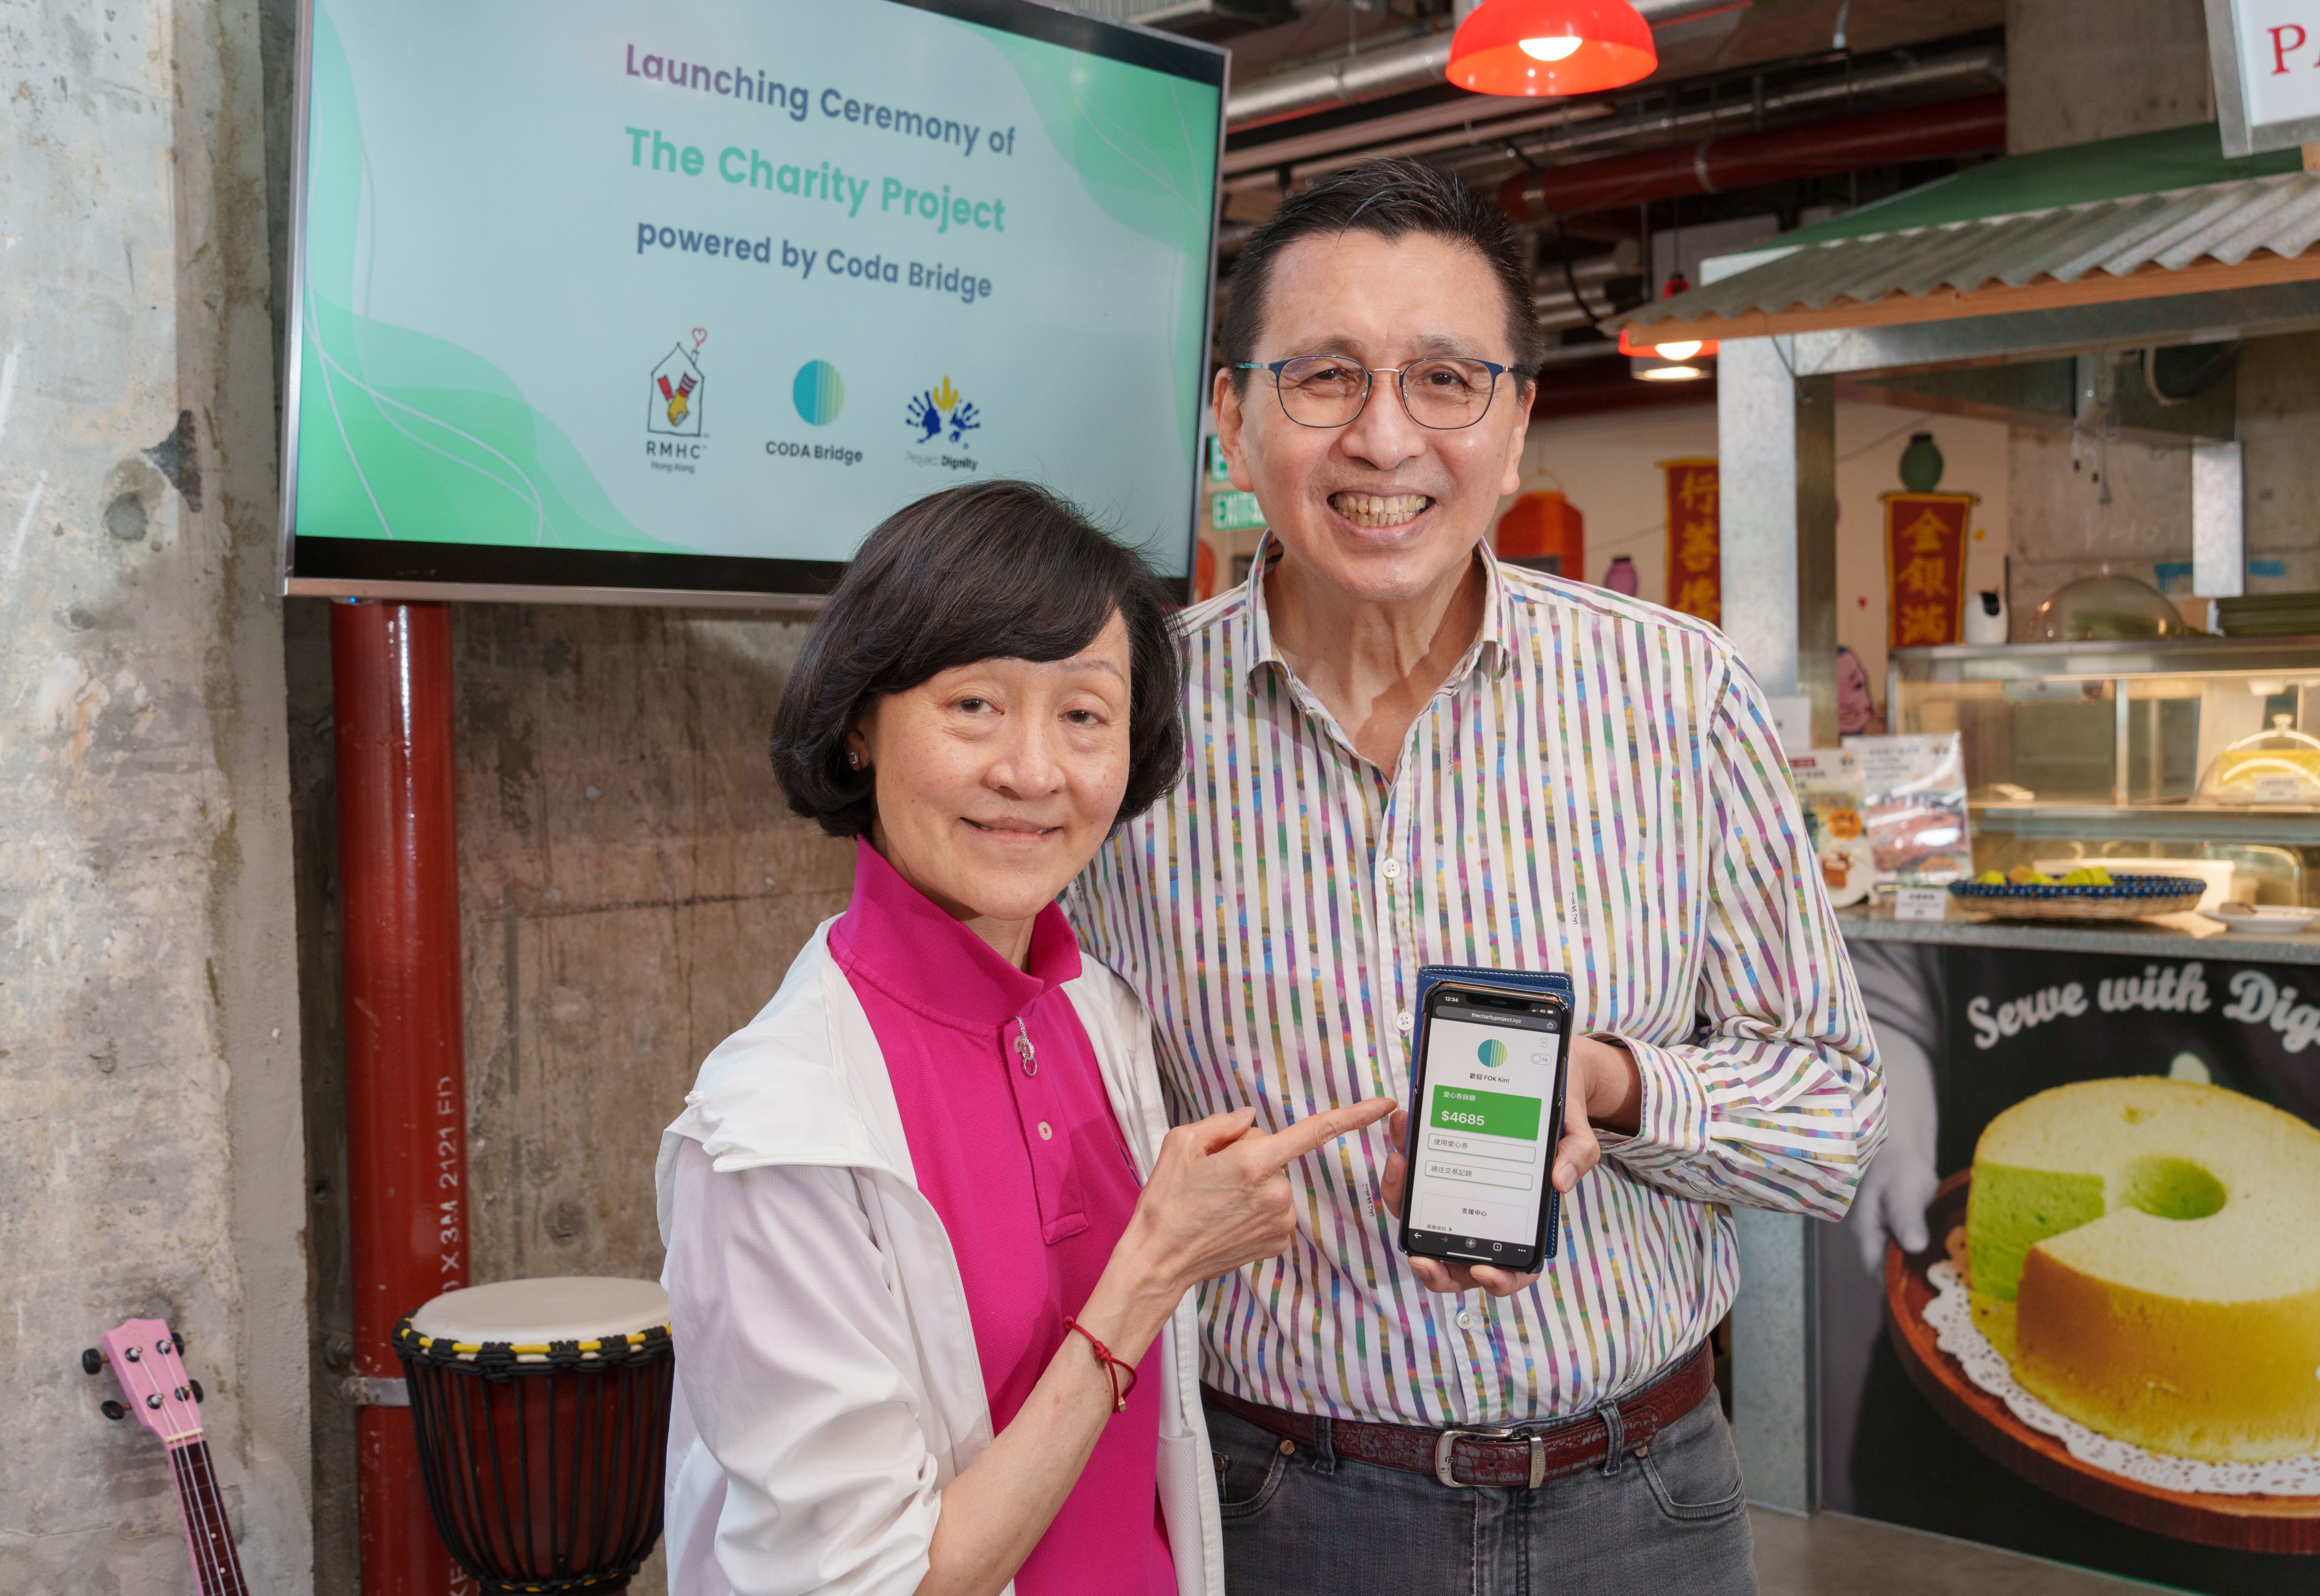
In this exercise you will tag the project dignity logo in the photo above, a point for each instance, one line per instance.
(672, 413)
(1492, 1053)
(938, 410)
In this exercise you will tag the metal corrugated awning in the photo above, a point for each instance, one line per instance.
(2118, 222)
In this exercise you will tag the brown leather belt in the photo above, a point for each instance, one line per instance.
(1512, 1455)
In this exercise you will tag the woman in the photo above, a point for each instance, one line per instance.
(929, 1238)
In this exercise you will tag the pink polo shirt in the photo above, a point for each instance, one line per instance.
(1026, 1167)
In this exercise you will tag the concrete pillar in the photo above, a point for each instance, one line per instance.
(152, 1154)
(2080, 71)
(1776, 446)
(1775, 1359)
(1756, 456)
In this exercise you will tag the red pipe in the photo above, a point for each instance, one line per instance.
(406, 1078)
(1819, 149)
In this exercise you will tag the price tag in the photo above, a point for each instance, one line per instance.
(1921, 903)
(2280, 788)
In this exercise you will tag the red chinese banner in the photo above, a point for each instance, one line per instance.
(1924, 567)
(1695, 534)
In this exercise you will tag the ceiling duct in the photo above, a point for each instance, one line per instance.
(1200, 19)
(1391, 69)
(1589, 124)
(1821, 148)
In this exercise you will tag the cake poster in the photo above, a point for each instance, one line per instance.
(2075, 1312)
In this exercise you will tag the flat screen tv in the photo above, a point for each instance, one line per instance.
(598, 300)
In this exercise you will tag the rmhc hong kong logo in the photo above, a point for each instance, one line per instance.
(940, 407)
(674, 407)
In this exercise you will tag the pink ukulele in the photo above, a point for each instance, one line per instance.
(143, 1354)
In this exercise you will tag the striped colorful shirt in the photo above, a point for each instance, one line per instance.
(1597, 789)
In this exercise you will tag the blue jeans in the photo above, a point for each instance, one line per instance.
(1671, 1517)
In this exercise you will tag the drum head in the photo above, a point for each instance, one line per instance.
(534, 1312)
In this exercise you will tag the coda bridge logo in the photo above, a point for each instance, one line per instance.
(1492, 1053)
(819, 393)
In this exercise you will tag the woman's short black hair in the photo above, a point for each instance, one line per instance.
(995, 570)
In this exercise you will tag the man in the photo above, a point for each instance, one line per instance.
(1399, 753)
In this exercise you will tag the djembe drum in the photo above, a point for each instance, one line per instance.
(542, 1412)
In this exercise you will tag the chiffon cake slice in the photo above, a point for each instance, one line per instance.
(2159, 1242)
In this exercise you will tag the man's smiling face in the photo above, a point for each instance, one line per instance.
(1382, 509)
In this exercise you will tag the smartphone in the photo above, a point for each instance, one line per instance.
(1486, 1112)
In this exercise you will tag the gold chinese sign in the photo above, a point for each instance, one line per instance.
(1924, 567)
(1694, 558)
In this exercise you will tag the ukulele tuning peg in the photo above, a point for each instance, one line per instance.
(112, 1410)
(197, 1385)
(92, 1361)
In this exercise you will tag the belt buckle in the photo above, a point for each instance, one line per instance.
(1446, 1454)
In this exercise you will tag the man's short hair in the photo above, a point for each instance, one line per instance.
(995, 570)
(1392, 199)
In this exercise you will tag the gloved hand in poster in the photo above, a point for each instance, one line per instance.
(1902, 988)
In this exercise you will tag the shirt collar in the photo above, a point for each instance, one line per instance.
(912, 948)
(1490, 652)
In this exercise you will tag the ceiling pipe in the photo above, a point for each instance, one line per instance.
(1925, 133)
(1394, 69)
(1850, 85)
(1344, 146)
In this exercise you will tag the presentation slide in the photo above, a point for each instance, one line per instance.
(693, 286)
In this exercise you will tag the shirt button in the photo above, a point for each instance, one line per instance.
(1466, 1320)
(1047, 1132)
(1404, 1022)
(1393, 868)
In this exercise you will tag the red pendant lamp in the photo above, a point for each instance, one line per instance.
(1677, 362)
(1551, 47)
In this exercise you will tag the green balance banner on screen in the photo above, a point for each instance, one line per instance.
(1487, 1113)
(739, 277)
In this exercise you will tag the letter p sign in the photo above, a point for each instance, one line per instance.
(2283, 44)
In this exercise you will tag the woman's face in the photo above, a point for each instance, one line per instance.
(997, 781)
(1854, 704)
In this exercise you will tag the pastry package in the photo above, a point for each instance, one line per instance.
(1829, 791)
(1913, 795)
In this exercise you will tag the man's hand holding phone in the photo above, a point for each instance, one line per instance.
(1606, 1090)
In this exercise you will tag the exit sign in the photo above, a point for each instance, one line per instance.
(1234, 512)
(2266, 57)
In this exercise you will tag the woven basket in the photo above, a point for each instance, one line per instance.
(2128, 897)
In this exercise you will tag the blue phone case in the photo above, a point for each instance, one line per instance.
(1506, 980)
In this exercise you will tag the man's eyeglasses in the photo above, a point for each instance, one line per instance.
(1444, 393)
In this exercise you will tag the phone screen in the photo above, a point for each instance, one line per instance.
(1485, 1130)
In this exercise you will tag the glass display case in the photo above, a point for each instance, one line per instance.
(2197, 748)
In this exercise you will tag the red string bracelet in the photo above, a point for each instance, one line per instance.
(1112, 1366)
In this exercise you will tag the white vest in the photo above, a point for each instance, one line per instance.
(805, 1084)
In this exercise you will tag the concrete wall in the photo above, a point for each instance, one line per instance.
(2061, 529)
(150, 1159)
(632, 889)
(2279, 424)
